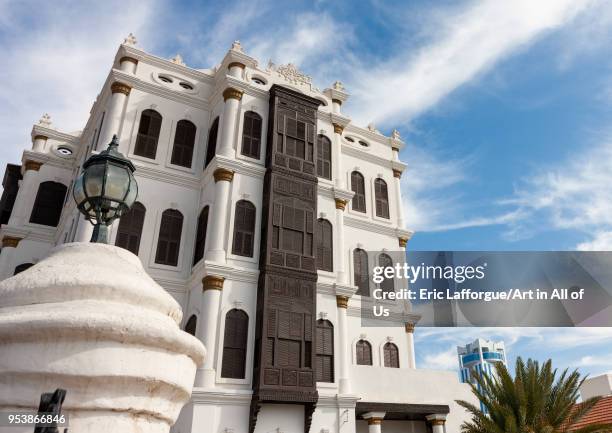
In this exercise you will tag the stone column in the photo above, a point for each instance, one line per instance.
(128, 64)
(9, 244)
(114, 113)
(218, 223)
(38, 144)
(345, 349)
(410, 338)
(339, 247)
(236, 69)
(232, 98)
(339, 178)
(397, 174)
(25, 195)
(211, 298)
(374, 420)
(437, 422)
(336, 103)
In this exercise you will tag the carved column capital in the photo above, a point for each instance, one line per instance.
(340, 204)
(374, 421)
(238, 64)
(128, 59)
(231, 93)
(40, 137)
(437, 422)
(397, 173)
(336, 101)
(342, 301)
(409, 327)
(32, 165)
(223, 174)
(212, 282)
(118, 87)
(10, 241)
(338, 128)
(402, 241)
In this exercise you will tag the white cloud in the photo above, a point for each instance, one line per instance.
(445, 360)
(596, 361)
(601, 241)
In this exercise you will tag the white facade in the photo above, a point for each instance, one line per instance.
(598, 386)
(223, 281)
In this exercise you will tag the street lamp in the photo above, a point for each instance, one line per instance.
(105, 189)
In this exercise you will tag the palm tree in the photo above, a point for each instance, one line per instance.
(535, 401)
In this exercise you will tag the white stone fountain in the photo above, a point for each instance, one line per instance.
(88, 319)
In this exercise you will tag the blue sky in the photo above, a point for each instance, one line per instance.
(505, 107)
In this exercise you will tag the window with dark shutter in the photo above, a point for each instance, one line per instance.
(201, 236)
(361, 272)
(184, 140)
(385, 261)
(324, 240)
(22, 267)
(324, 161)
(382, 198)
(391, 355)
(48, 204)
(325, 351)
(363, 351)
(130, 228)
(148, 134)
(244, 229)
(358, 202)
(235, 344)
(191, 325)
(211, 148)
(251, 134)
(169, 241)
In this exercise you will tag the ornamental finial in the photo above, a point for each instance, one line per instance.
(130, 40)
(45, 120)
(178, 59)
(395, 134)
(237, 46)
(338, 86)
(371, 127)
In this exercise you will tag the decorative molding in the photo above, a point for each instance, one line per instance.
(119, 87)
(231, 93)
(223, 174)
(342, 301)
(32, 165)
(201, 396)
(374, 421)
(41, 137)
(397, 173)
(338, 128)
(212, 282)
(340, 204)
(10, 241)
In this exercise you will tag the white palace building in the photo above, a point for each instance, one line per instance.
(258, 199)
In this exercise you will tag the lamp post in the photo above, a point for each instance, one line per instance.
(105, 189)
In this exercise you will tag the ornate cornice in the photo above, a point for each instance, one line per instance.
(10, 241)
(223, 174)
(231, 93)
(342, 301)
(340, 204)
(119, 87)
(212, 282)
(32, 165)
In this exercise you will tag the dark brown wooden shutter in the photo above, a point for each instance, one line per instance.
(169, 242)
(201, 236)
(325, 252)
(382, 198)
(324, 351)
(48, 204)
(184, 141)
(363, 351)
(235, 344)
(361, 272)
(391, 355)
(387, 284)
(22, 267)
(244, 229)
(251, 134)
(324, 161)
(211, 148)
(358, 203)
(191, 325)
(148, 134)
(129, 231)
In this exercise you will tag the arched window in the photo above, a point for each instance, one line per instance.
(169, 241)
(235, 344)
(48, 204)
(358, 202)
(391, 355)
(361, 272)
(130, 228)
(22, 267)
(148, 134)
(244, 229)
(324, 158)
(382, 198)
(325, 351)
(191, 325)
(211, 148)
(251, 134)
(387, 284)
(324, 244)
(184, 140)
(201, 236)
(363, 351)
